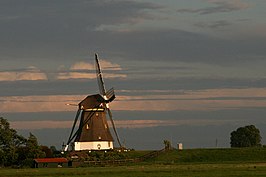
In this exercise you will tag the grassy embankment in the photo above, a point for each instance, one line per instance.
(230, 155)
(245, 162)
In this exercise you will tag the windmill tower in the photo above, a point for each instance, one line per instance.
(93, 132)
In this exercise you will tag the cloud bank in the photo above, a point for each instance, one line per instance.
(84, 70)
(31, 73)
(221, 6)
(201, 100)
(128, 124)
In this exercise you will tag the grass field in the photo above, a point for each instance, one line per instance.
(151, 170)
(226, 155)
(248, 162)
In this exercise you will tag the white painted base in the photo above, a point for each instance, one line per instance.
(93, 145)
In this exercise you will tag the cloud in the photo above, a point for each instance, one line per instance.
(129, 124)
(105, 65)
(31, 73)
(35, 125)
(62, 31)
(51, 20)
(67, 33)
(177, 45)
(49, 103)
(84, 70)
(214, 25)
(221, 6)
(201, 100)
(9, 18)
(256, 30)
(75, 75)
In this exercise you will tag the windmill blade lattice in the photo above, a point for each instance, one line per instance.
(99, 76)
(113, 124)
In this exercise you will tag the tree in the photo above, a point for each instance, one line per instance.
(33, 148)
(15, 149)
(167, 144)
(48, 152)
(248, 136)
(10, 141)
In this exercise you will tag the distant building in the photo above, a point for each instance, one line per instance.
(51, 162)
(179, 146)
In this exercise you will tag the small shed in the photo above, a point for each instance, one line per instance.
(51, 162)
(179, 146)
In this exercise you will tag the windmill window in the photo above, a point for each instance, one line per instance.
(99, 137)
(105, 125)
(97, 114)
(87, 126)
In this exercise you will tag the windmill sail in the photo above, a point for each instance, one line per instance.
(99, 76)
(109, 95)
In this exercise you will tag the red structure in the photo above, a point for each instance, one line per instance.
(51, 162)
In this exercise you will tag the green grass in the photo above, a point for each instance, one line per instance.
(244, 162)
(235, 155)
(182, 170)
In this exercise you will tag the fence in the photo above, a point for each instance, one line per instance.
(150, 155)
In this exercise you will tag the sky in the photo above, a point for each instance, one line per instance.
(187, 71)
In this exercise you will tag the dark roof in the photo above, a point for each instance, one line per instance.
(51, 160)
(91, 101)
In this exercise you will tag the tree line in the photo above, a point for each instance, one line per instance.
(16, 150)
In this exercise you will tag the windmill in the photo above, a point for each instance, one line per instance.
(93, 132)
